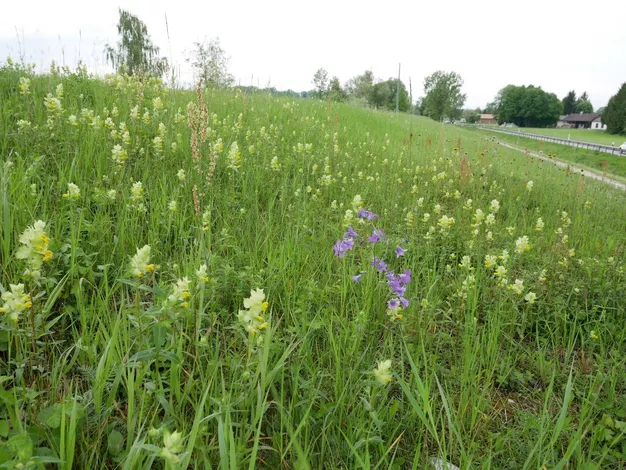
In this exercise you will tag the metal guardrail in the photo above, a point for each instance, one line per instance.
(572, 143)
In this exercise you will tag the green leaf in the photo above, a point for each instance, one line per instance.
(4, 428)
(7, 397)
(79, 412)
(393, 408)
(115, 442)
(51, 416)
(159, 333)
(21, 445)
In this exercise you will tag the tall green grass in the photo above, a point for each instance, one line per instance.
(105, 372)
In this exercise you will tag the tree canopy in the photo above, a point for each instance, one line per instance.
(135, 54)
(210, 64)
(383, 95)
(320, 80)
(361, 85)
(584, 106)
(335, 92)
(528, 106)
(365, 89)
(443, 95)
(569, 103)
(572, 104)
(614, 115)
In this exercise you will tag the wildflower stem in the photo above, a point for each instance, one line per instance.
(32, 322)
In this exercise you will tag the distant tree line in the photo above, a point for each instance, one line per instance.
(528, 106)
(273, 91)
(135, 54)
(363, 89)
(525, 106)
(443, 97)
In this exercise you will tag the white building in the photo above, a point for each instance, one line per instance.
(597, 124)
(582, 121)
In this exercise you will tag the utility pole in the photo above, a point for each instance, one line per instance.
(411, 95)
(398, 91)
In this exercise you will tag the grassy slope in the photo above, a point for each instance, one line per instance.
(480, 376)
(582, 135)
(598, 161)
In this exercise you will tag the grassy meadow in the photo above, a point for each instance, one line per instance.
(221, 280)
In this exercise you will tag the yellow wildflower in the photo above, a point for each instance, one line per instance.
(34, 247)
(140, 263)
(382, 372)
(15, 301)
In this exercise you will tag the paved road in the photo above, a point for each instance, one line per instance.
(562, 164)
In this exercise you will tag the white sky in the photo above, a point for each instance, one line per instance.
(556, 44)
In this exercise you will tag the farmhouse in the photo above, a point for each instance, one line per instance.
(582, 121)
(487, 119)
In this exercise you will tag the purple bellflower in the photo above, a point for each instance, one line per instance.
(379, 265)
(341, 246)
(377, 236)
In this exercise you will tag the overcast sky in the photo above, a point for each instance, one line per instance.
(556, 44)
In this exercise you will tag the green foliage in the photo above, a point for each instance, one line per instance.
(569, 103)
(272, 91)
(584, 106)
(383, 95)
(320, 80)
(335, 92)
(361, 86)
(471, 115)
(210, 64)
(528, 106)
(135, 53)
(418, 108)
(573, 105)
(365, 89)
(443, 95)
(491, 108)
(614, 116)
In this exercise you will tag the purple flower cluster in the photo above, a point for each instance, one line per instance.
(379, 265)
(397, 284)
(341, 246)
(346, 244)
(363, 214)
(377, 236)
(350, 233)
